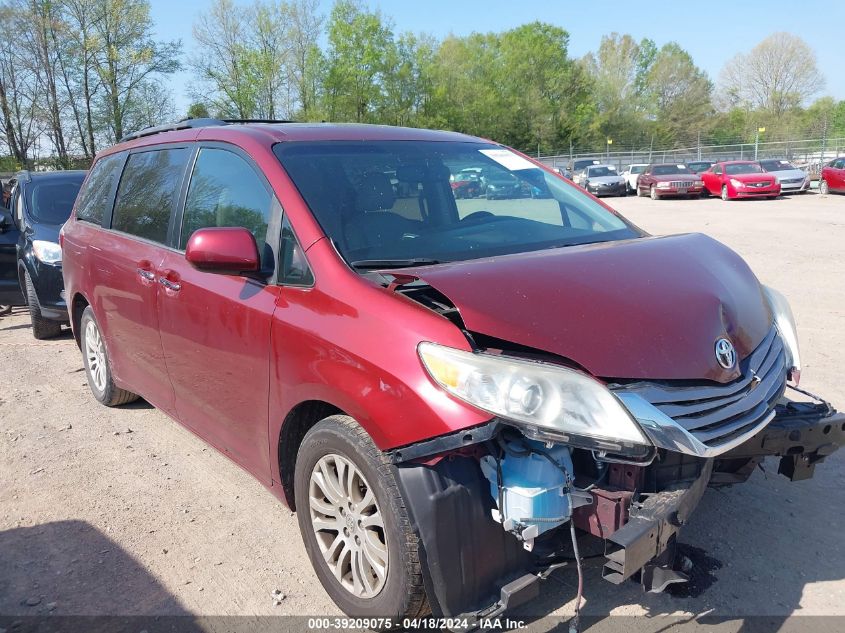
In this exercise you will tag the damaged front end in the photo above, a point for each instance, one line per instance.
(495, 505)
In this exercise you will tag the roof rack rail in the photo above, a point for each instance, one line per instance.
(190, 123)
(233, 121)
(182, 124)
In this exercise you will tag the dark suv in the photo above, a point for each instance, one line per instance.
(447, 390)
(39, 205)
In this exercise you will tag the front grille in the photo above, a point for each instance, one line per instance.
(681, 184)
(791, 181)
(760, 184)
(716, 413)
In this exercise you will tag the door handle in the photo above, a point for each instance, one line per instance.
(170, 285)
(146, 274)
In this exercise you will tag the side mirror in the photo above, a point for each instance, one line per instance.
(227, 251)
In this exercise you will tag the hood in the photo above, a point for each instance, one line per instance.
(608, 180)
(788, 173)
(647, 308)
(760, 177)
(676, 177)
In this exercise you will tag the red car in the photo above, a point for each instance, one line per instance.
(740, 179)
(669, 179)
(833, 177)
(447, 391)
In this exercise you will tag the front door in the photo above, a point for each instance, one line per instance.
(125, 266)
(10, 290)
(215, 329)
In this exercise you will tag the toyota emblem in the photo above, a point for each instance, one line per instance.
(725, 353)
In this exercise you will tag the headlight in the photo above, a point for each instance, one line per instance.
(737, 183)
(785, 323)
(664, 185)
(545, 401)
(47, 252)
(698, 183)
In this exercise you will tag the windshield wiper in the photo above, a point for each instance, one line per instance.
(379, 264)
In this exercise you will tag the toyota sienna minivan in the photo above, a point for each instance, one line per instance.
(450, 392)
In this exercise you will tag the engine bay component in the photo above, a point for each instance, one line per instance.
(531, 483)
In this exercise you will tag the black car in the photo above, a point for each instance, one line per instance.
(30, 257)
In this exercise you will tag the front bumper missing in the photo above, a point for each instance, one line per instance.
(473, 569)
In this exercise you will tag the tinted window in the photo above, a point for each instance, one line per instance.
(670, 170)
(599, 172)
(733, 169)
(394, 200)
(776, 165)
(51, 201)
(147, 193)
(226, 191)
(95, 198)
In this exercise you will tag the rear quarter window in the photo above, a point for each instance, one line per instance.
(95, 198)
(148, 192)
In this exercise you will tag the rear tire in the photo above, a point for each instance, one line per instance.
(338, 469)
(97, 365)
(41, 328)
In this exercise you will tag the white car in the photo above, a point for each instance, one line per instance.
(632, 173)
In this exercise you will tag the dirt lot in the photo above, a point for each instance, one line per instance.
(122, 511)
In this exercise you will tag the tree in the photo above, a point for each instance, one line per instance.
(198, 110)
(127, 60)
(358, 41)
(17, 96)
(619, 70)
(304, 26)
(678, 92)
(778, 74)
(80, 79)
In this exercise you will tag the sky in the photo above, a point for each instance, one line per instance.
(711, 33)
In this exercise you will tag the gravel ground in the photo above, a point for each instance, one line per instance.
(122, 511)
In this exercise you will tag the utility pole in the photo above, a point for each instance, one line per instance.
(757, 140)
(609, 143)
(699, 145)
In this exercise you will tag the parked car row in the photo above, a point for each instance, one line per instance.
(781, 175)
(449, 396)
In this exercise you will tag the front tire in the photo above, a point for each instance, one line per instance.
(354, 523)
(824, 188)
(725, 195)
(41, 328)
(97, 365)
(653, 193)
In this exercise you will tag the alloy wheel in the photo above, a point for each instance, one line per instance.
(724, 192)
(348, 524)
(95, 353)
(653, 193)
(824, 188)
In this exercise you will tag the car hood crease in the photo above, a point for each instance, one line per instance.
(647, 308)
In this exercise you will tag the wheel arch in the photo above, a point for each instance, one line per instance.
(77, 307)
(297, 423)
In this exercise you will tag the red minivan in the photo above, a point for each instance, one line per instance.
(832, 178)
(449, 391)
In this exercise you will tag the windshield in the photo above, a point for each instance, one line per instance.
(670, 170)
(700, 166)
(51, 201)
(777, 165)
(598, 172)
(732, 169)
(393, 201)
(637, 169)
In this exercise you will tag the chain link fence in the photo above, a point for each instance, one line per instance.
(807, 154)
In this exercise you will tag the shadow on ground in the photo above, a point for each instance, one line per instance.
(69, 576)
